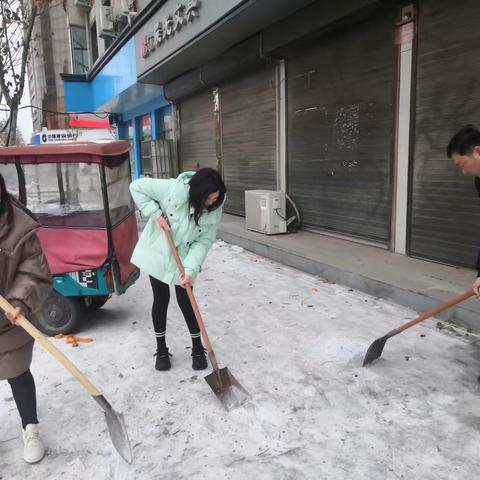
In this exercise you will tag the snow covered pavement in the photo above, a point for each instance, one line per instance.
(296, 342)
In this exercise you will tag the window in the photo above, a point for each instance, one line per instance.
(119, 200)
(79, 49)
(93, 36)
(68, 194)
(165, 157)
(147, 127)
(10, 175)
(109, 41)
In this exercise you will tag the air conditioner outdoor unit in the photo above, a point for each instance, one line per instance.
(265, 211)
(106, 24)
(83, 3)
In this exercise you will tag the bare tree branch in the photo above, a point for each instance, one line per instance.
(3, 85)
(26, 45)
(17, 19)
(4, 127)
(9, 52)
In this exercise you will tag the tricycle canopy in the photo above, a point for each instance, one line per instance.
(110, 154)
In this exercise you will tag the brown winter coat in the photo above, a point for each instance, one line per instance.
(25, 281)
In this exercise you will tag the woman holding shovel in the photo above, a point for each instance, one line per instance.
(25, 282)
(190, 206)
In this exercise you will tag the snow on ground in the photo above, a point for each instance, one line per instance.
(296, 342)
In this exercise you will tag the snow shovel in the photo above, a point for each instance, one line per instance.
(225, 386)
(376, 348)
(115, 423)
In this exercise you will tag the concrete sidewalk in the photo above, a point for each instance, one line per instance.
(414, 283)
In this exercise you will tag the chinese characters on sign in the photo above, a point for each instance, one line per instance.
(60, 136)
(173, 22)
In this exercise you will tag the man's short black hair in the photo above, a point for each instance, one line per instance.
(464, 141)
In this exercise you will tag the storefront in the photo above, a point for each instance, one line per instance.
(345, 106)
(340, 127)
(249, 134)
(445, 209)
(197, 131)
(232, 127)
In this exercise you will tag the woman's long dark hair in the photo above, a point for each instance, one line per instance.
(5, 202)
(205, 182)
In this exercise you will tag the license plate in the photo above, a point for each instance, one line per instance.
(86, 278)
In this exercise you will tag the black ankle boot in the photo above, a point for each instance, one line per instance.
(199, 360)
(162, 362)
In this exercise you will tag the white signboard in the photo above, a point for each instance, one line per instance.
(47, 137)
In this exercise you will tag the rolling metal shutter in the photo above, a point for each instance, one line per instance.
(197, 132)
(445, 209)
(249, 135)
(341, 95)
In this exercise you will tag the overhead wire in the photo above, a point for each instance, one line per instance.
(102, 115)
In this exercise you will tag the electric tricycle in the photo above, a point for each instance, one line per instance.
(79, 194)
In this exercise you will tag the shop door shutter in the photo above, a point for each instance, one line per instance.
(248, 106)
(340, 128)
(445, 213)
(197, 132)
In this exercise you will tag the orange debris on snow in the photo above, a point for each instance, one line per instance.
(73, 340)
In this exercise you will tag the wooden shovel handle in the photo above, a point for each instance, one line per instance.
(47, 345)
(191, 296)
(431, 313)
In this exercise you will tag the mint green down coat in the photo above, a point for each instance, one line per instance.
(152, 253)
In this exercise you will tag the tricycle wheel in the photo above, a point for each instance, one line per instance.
(58, 314)
(96, 302)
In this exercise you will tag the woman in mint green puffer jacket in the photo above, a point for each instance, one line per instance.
(190, 206)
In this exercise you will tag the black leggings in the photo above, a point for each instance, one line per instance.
(24, 394)
(161, 298)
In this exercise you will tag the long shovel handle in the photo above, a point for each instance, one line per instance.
(47, 345)
(431, 313)
(191, 296)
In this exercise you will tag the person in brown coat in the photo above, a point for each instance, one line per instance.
(25, 281)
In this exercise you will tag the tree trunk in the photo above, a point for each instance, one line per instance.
(12, 131)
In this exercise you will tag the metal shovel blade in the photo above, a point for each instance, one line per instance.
(117, 429)
(375, 350)
(227, 389)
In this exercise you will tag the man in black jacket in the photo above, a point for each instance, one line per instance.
(464, 150)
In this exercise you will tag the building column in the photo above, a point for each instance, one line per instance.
(281, 127)
(404, 39)
(137, 156)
